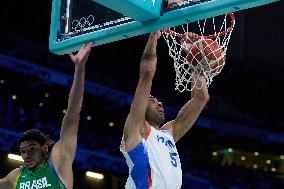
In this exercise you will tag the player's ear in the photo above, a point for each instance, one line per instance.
(45, 149)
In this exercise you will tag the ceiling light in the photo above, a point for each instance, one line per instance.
(95, 175)
(15, 157)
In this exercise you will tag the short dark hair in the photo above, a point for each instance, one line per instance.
(34, 134)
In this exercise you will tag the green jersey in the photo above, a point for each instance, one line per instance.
(43, 177)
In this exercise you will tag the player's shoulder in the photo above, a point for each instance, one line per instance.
(16, 171)
(12, 176)
(167, 133)
(168, 126)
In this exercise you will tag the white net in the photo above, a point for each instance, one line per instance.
(198, 53)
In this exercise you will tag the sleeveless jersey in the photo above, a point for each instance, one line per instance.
(43, 177)
(154, 163)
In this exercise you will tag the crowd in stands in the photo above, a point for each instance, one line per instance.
(95, 134)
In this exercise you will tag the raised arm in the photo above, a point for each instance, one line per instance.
(8, 181)
(133, 128)
(64, 150)
(190, 111)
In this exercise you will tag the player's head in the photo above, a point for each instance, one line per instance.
(34, 147)
(155, 111)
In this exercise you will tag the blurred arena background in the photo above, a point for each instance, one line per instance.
(237, 143)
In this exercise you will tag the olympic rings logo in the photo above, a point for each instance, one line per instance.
(83, 23)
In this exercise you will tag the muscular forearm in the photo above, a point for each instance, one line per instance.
(199, 89)
(147, 71)
(69, 129)
(149, 58)
(76, 93)
(150, 49)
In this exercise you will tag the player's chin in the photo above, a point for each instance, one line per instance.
(161, 115)
(31, 165)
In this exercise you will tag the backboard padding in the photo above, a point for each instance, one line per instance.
(109, 25)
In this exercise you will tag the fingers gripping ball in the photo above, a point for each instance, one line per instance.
(203, 54)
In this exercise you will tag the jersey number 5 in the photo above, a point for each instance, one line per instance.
(173, 159)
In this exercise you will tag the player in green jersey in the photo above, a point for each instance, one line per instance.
(48, 164)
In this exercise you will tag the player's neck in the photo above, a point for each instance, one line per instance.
(155, 125)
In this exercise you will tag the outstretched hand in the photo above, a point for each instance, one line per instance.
(82, 56)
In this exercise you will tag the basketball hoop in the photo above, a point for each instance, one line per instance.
(200, 56)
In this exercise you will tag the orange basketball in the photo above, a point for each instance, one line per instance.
(212, 51)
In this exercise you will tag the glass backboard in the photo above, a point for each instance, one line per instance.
(75, 22)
